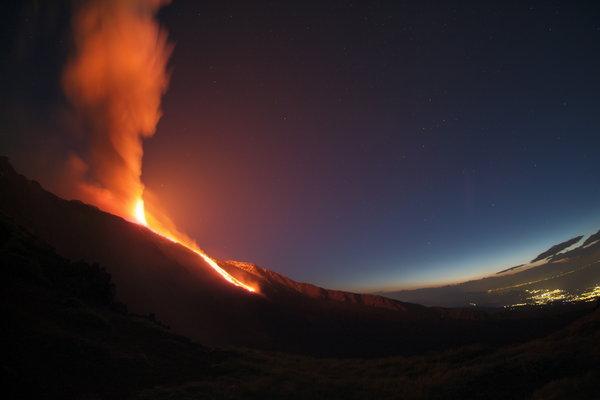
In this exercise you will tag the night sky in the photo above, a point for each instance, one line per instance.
(354, 145)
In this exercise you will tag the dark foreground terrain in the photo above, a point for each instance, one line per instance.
(64, 336)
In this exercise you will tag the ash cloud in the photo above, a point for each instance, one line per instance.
(114, 80)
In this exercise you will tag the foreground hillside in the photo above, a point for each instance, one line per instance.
(155, 275)
(65, 336)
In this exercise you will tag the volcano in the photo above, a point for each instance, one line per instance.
(156, 276)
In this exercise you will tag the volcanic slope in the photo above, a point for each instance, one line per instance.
(155, 276)
(65, 337)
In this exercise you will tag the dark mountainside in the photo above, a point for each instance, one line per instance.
(154, 275)
(66, 337)
(276, 285)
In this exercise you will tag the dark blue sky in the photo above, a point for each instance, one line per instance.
(356, 145)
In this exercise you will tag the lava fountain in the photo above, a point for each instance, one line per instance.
(115, 79)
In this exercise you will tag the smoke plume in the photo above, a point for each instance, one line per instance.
(114, 80)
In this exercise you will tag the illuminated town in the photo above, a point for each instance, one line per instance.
(553, 296)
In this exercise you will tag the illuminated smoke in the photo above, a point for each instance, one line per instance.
(115, 79)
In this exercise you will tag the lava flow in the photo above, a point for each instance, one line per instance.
(114, 79)
(140, 217)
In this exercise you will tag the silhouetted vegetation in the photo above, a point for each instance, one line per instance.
(26, 257)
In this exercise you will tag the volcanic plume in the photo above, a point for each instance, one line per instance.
(115, 80)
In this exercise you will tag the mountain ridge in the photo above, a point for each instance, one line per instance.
(65, 337)
(153, 275)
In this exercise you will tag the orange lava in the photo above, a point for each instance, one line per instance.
(114, 79)
(139, 213)
(140, 217)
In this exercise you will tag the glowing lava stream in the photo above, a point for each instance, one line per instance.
(140, 218)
